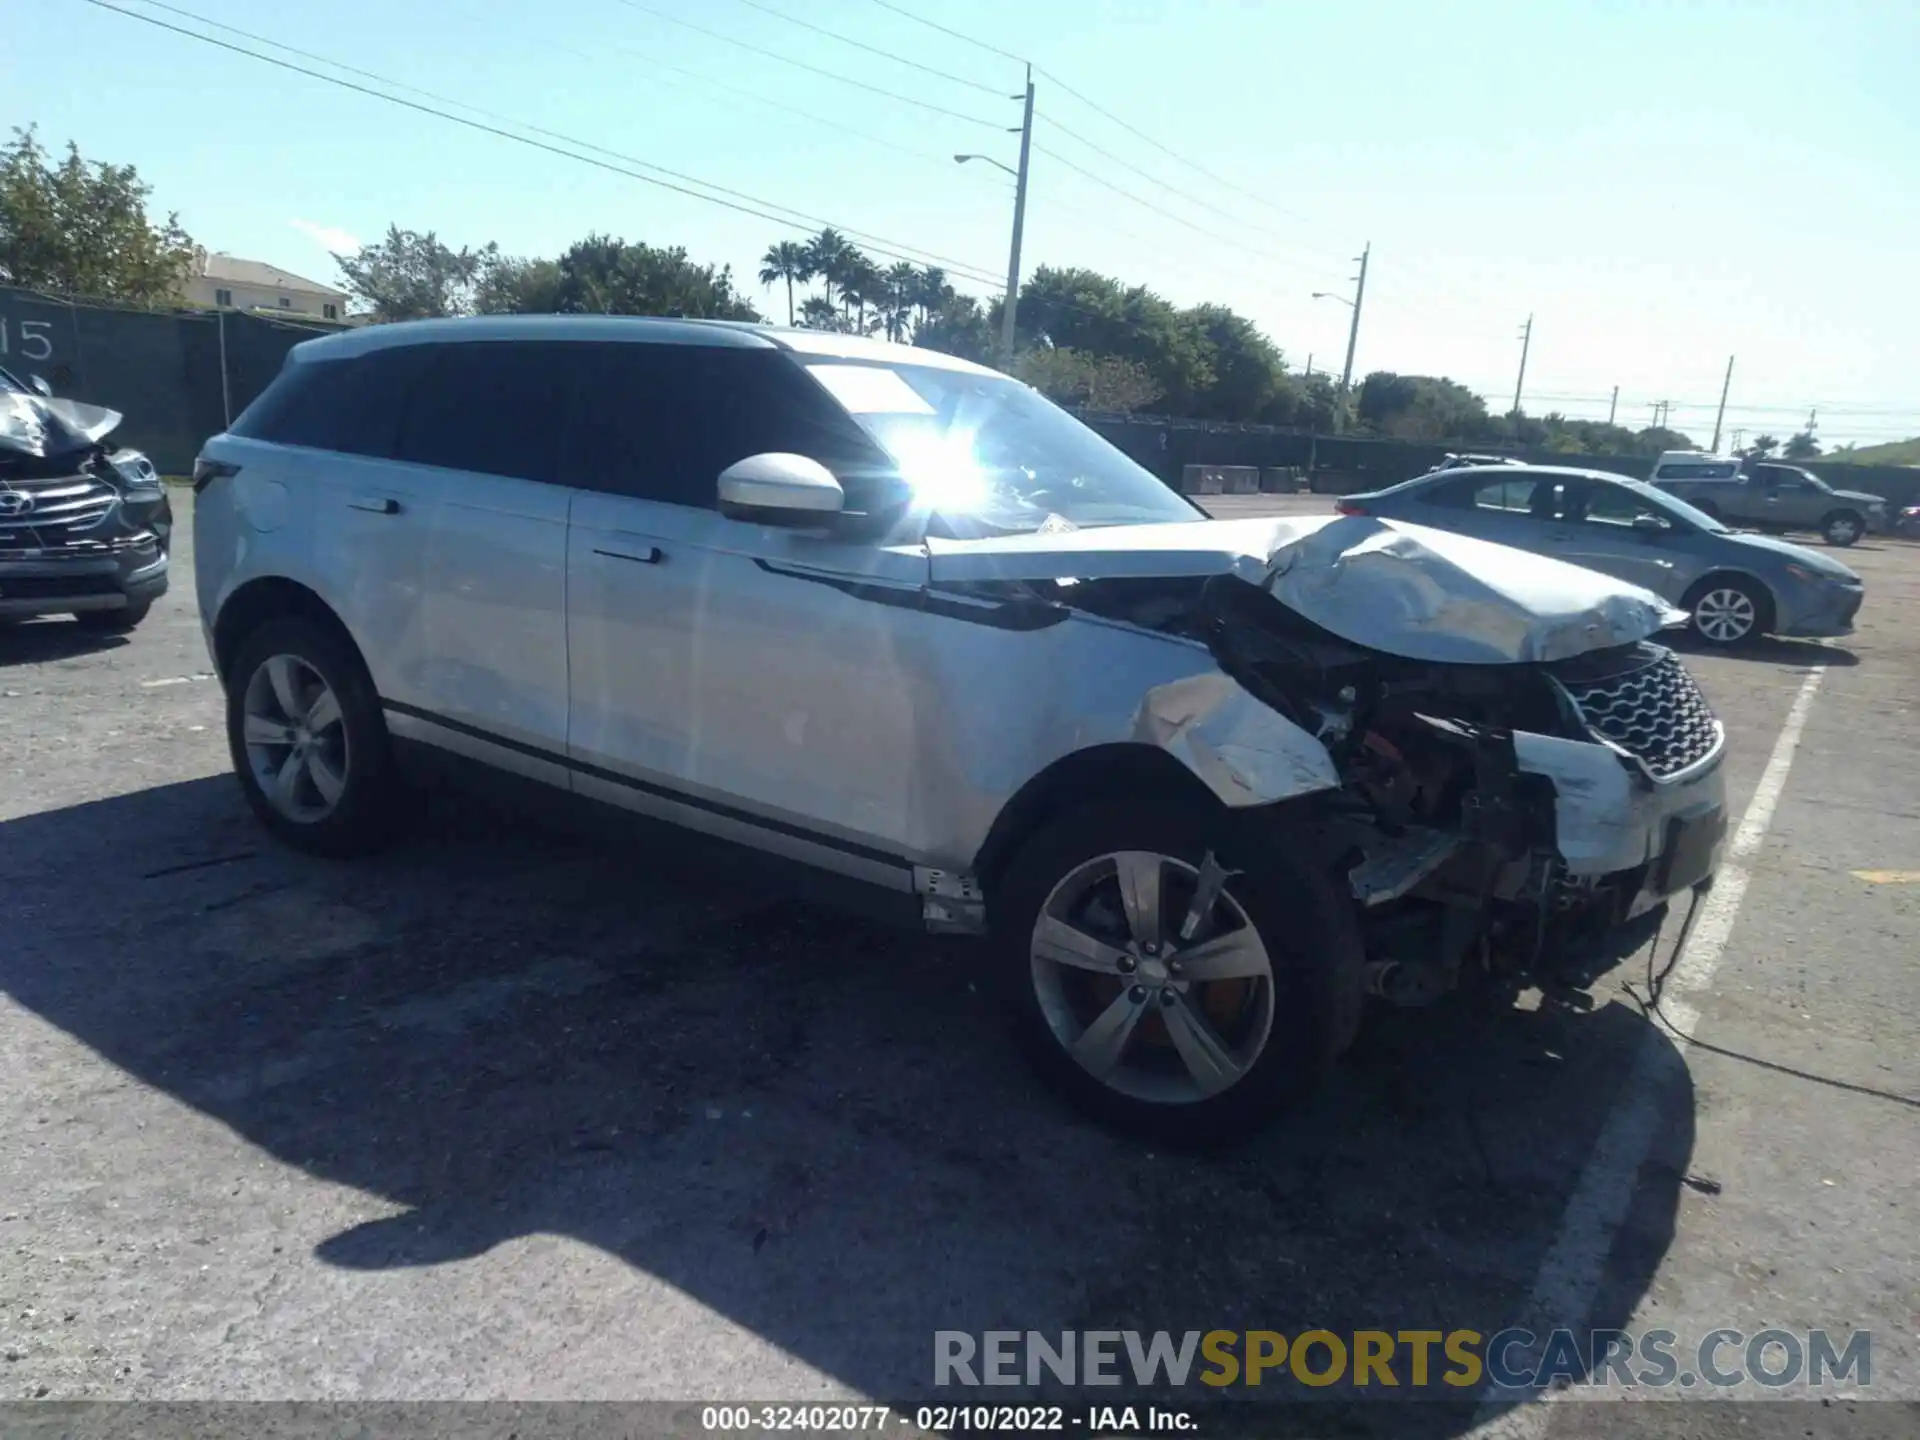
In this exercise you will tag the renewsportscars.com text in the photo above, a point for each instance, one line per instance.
(1442, 1360)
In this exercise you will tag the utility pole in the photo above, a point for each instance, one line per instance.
(1721, 414)
(1353, 329)
(1739, 436)
(1613, 404)
(1309, 365)
(1012, 302)
(1526, 343)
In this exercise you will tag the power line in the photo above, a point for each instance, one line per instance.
(936, 25)
(994, 90)
(1175, 190)
(564, 49)
(803, 65)
(760, 209)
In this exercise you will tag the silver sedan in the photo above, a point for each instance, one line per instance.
(1734, 586)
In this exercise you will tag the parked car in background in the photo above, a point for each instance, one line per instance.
(84, 525)
(1462, 462)
(1907, 523)
(1771, 497)
(1733, 587)
(1200, 785)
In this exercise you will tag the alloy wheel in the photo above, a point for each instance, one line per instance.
(1152, 977)
(296, 738)
(1725, 615)
(1843, 531)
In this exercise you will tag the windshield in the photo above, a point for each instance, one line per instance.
(1661, 503)
(985, 455)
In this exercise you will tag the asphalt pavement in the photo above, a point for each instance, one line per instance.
(512, 1114)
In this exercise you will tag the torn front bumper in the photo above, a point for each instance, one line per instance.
(1611, 818)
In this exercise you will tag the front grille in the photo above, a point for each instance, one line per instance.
(52, 514)
(1652, 710)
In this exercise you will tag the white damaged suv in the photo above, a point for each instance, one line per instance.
(1202, 785)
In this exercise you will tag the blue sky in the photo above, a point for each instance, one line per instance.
(1660, 185)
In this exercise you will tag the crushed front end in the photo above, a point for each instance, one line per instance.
(1511, 819)
(84, 527)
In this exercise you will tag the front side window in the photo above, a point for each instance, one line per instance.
(979, 455)
(660, 422)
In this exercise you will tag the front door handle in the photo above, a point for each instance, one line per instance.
(650, 555)
(376, 504)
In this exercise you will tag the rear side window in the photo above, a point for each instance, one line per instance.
(1694, 470)
(495, 407)
(352, 405)
(660, 422)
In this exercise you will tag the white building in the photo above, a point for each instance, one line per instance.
(225, 282)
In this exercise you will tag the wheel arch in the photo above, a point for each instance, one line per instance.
(1127, 768)
(269, 598)
(1769, 602)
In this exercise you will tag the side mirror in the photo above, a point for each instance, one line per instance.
(1650, 524)
(38, 384)
(780, 489)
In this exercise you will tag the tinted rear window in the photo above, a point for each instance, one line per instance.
(496, 407)
(352, 405)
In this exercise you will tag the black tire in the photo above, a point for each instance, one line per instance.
(1705, 601)
(1304, 919)
(365, 817)
(1843, 527)
(114, 622)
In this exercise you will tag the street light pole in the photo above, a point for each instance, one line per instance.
(1721, 413)
(1012, 302)
(1526, 344)
(1353, 328)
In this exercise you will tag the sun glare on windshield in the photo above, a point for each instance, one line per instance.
(940, 467)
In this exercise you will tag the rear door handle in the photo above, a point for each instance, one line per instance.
(647, 555)
(375, 504)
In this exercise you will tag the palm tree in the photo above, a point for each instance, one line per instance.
(862, 284)
(828, 254)
(817, 313)
(931, 292)
(903, 284)
(786, 261)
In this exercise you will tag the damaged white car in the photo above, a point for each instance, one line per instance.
(1203, 785)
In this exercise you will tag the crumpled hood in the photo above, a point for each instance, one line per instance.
(37, 427)
(1402, 589)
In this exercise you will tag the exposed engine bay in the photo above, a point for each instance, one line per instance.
(1459, 810)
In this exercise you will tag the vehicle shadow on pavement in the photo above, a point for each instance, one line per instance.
(1771, 650)
(809, 1123)
(38, 641)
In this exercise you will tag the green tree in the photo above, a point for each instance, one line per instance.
(1098, 382)
(898, 298)
(605, 276)
(787, 261)
(413, 275)
(957, 326)
(1801, 446)
(81, 228)
(1084, 310)
(1763, 446)
(514, 285)
(819, 313)
(828, 256)
(1429, 408)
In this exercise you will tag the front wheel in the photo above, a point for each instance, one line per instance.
(1168, 983)
(1728, 612)
(1843, 528)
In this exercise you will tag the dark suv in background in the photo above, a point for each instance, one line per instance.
(84, 526)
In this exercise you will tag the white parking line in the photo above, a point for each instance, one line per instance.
(1563, 1290)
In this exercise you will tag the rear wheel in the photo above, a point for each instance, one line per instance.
(114, 622)
(1176, 992)
(1843, 527)
(1728, 611)
(308, 739)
